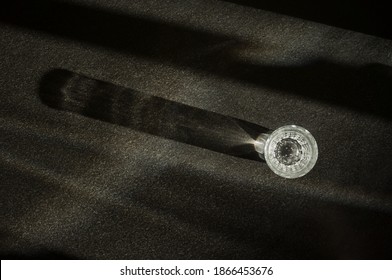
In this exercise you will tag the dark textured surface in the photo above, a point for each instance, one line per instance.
(69, 91)
(75, 187)
(359, 15)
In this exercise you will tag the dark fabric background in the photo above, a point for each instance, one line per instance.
(364, 16)
(76, 187)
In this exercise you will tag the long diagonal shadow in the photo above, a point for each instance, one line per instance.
(361, 16)
(364, 88)
(68, 91)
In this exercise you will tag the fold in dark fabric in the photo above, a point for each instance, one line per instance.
(140, 148)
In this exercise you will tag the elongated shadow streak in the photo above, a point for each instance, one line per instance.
(68, 91)
(361, 16)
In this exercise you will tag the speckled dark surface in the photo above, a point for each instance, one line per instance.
(76, 187)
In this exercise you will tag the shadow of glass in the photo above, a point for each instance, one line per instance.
(68, 91)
